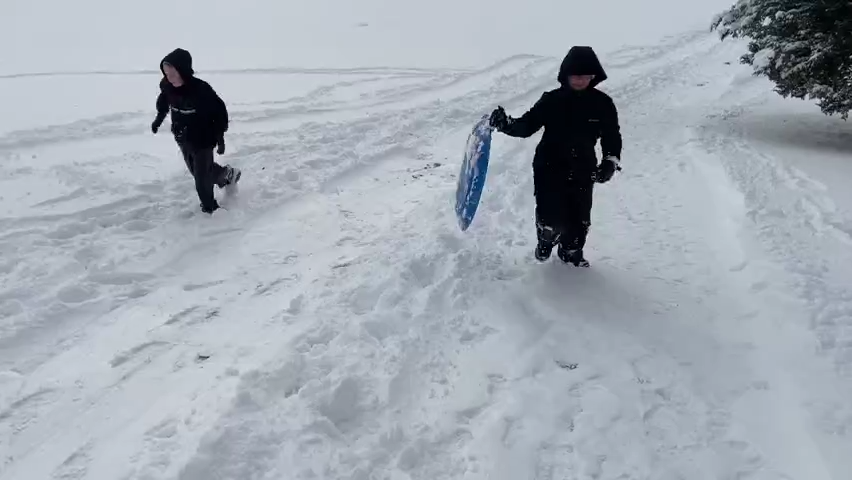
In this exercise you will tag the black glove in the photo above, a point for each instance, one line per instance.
(499, 119)
(607, 169)
(220, 146)
(155, 126)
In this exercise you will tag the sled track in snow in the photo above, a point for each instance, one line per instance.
(397, 71)
(127, 124)
(312, 103)
(631, 53)
(809, 240)
(794, 213)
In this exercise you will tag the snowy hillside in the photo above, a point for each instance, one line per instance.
(332, 322)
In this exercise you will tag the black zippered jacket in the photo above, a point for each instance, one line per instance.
(573, 121)
(198, 115)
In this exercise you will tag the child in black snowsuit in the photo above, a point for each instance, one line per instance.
(565, 166)
(199, 122)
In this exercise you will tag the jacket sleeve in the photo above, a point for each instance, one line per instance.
(611, 142)
(162, 107)
(530, 122)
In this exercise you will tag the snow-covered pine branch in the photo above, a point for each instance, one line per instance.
(803, 46)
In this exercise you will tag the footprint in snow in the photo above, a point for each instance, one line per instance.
(75, 294)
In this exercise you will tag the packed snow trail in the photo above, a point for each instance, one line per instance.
(352, 332)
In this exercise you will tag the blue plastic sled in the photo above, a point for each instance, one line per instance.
(473, 170)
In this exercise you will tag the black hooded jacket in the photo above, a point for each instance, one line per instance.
(198, 115)
(573, 121)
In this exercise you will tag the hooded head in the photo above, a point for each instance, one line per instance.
(181, 60)
(581, 61)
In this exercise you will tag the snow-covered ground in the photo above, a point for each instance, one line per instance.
(334, 323)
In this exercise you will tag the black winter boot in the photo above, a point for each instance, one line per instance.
(210, 210)
(232, 175)
(574, 257)
(547, 239)
(543, 251)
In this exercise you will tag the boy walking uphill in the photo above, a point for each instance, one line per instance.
(565, 167)
(199, 121)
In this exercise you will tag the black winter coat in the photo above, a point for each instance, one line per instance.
(198, 115)
(573, 121)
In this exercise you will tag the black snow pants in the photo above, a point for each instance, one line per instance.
(206, 172)
(563, 213)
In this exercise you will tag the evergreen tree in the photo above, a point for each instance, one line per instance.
(803, 46)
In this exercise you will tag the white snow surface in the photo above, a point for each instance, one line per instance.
(332, 322)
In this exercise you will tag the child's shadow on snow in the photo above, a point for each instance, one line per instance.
(600, 291)
(620, 301)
